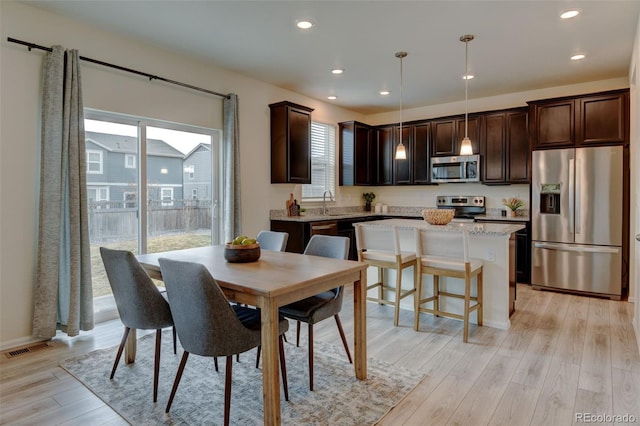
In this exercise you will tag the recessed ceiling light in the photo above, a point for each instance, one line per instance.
(577, 57)
(332, 97)
(337, 71)
(384, 92)
(304, 24)
(569, 14)
(468, 77)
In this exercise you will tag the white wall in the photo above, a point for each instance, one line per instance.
(20, 79)
(634, 249)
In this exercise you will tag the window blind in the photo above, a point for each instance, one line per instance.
(323, 162)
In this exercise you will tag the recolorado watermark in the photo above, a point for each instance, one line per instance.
(605, 418)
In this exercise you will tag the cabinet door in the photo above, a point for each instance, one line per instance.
(403, 169)
(385, 156)
(421, 154)
(602, 119)
(365, 160)
(553, 124)
(299, 146)
(494, 154)
(444, 138)
(518, 162)
(473, 132)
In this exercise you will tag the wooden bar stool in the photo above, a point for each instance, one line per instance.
(379, 246)
(439, 254)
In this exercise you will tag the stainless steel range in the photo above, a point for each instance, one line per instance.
(466, 206)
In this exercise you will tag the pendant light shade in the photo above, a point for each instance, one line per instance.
(465, 147)
(401, 152)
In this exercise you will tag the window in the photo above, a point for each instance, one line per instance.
(130, 200)
(194, 194)
(166, 195)
(94, 161)
(323, 162)
(191, 169)
(130, 161)
(98, 193)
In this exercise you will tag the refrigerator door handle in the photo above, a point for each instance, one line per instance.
(572, 193)
(576, 202)
(582, 249)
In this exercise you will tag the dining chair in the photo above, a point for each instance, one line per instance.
(439, 254)
(324, 305)
(140, 304)
(272, 240)
(379, 246)
(208, 325)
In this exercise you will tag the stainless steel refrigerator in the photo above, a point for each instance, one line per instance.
(576, 220)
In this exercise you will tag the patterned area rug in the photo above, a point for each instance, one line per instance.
(338, 397)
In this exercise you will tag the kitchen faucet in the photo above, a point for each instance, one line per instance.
(324, 206)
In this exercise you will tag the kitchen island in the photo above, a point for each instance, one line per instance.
(493, 243)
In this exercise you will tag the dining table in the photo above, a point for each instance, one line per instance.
(274, 280)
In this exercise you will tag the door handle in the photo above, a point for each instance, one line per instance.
(637, 237)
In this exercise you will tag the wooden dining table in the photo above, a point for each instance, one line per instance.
(276, 279)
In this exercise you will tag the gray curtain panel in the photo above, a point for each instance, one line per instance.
(63, 297)
(231, 212)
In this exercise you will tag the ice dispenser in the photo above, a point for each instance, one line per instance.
(550, 198)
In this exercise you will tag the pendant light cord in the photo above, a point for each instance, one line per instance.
(466, 89)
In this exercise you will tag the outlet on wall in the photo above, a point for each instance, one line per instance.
(491, 255)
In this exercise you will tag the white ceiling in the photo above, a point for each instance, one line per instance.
(518, 46)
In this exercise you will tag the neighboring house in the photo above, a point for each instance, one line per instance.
(112, 171)
(197, 173)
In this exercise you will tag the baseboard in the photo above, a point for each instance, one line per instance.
(18, 343)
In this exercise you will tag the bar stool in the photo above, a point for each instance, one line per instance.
(379, 246)
(438, 254)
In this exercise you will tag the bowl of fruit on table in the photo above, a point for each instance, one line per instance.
(242, 250)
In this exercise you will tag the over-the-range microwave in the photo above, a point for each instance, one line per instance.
(461, 168)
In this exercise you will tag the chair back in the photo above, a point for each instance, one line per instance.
(434, 242)
(139, 302)
(272, 240)
(377, 238)
(205, 322)
(328, 246)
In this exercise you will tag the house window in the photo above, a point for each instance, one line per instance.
(130, 161)
(323, 162)
(98, 197)
(190, 169)
(94, 161)
(130, 200)
(166, 195)
(194, 194)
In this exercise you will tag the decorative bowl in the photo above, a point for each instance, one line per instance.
(242, 253)
(438, 216)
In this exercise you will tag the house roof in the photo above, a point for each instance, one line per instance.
(129, 144)
(198, 148)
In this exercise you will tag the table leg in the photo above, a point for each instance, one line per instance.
(270, 363)
(360, 325)
(130, 347)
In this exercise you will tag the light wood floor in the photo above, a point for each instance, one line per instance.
(563, 355)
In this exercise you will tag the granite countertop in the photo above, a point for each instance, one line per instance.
(335, 215)
(485, 229)
(503, 218)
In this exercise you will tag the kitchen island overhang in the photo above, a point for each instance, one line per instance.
(493, 243)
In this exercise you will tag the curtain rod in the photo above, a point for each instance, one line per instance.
(118, 67)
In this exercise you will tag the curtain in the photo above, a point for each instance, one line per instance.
(63, 298)
(231, 213)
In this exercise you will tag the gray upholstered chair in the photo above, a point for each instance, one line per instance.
(324, 305)
(208, 325)
(272, 240)
(139, 303)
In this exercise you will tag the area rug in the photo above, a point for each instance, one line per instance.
(338, 397)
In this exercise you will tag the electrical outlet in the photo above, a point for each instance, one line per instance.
(491, 255)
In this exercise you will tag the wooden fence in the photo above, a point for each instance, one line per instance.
(112, 221)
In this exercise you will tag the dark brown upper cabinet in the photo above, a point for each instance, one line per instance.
(448, 134)
(290, 143)
(358, 154)
(386, 153)
(594, 119)
(403, 169)
(421, 153)
(505, 147)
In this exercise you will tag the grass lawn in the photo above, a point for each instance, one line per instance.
(101, 285)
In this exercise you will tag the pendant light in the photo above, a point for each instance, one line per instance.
(401, 152)
(465, 147)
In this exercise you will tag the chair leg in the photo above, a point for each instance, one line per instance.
(156, 365)
(120, 349)
(215, 363)
(396, 316)
(310, 356)
(480, 303)
(227, 390)
(283, 368)
(417, 299)
(436, 294)
(176, 382)
(342, 336)
(175, 347)
(467, 291)
(297, 334)
(381, 281)
(258, 357)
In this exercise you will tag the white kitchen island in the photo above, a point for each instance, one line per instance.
(493, 243)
